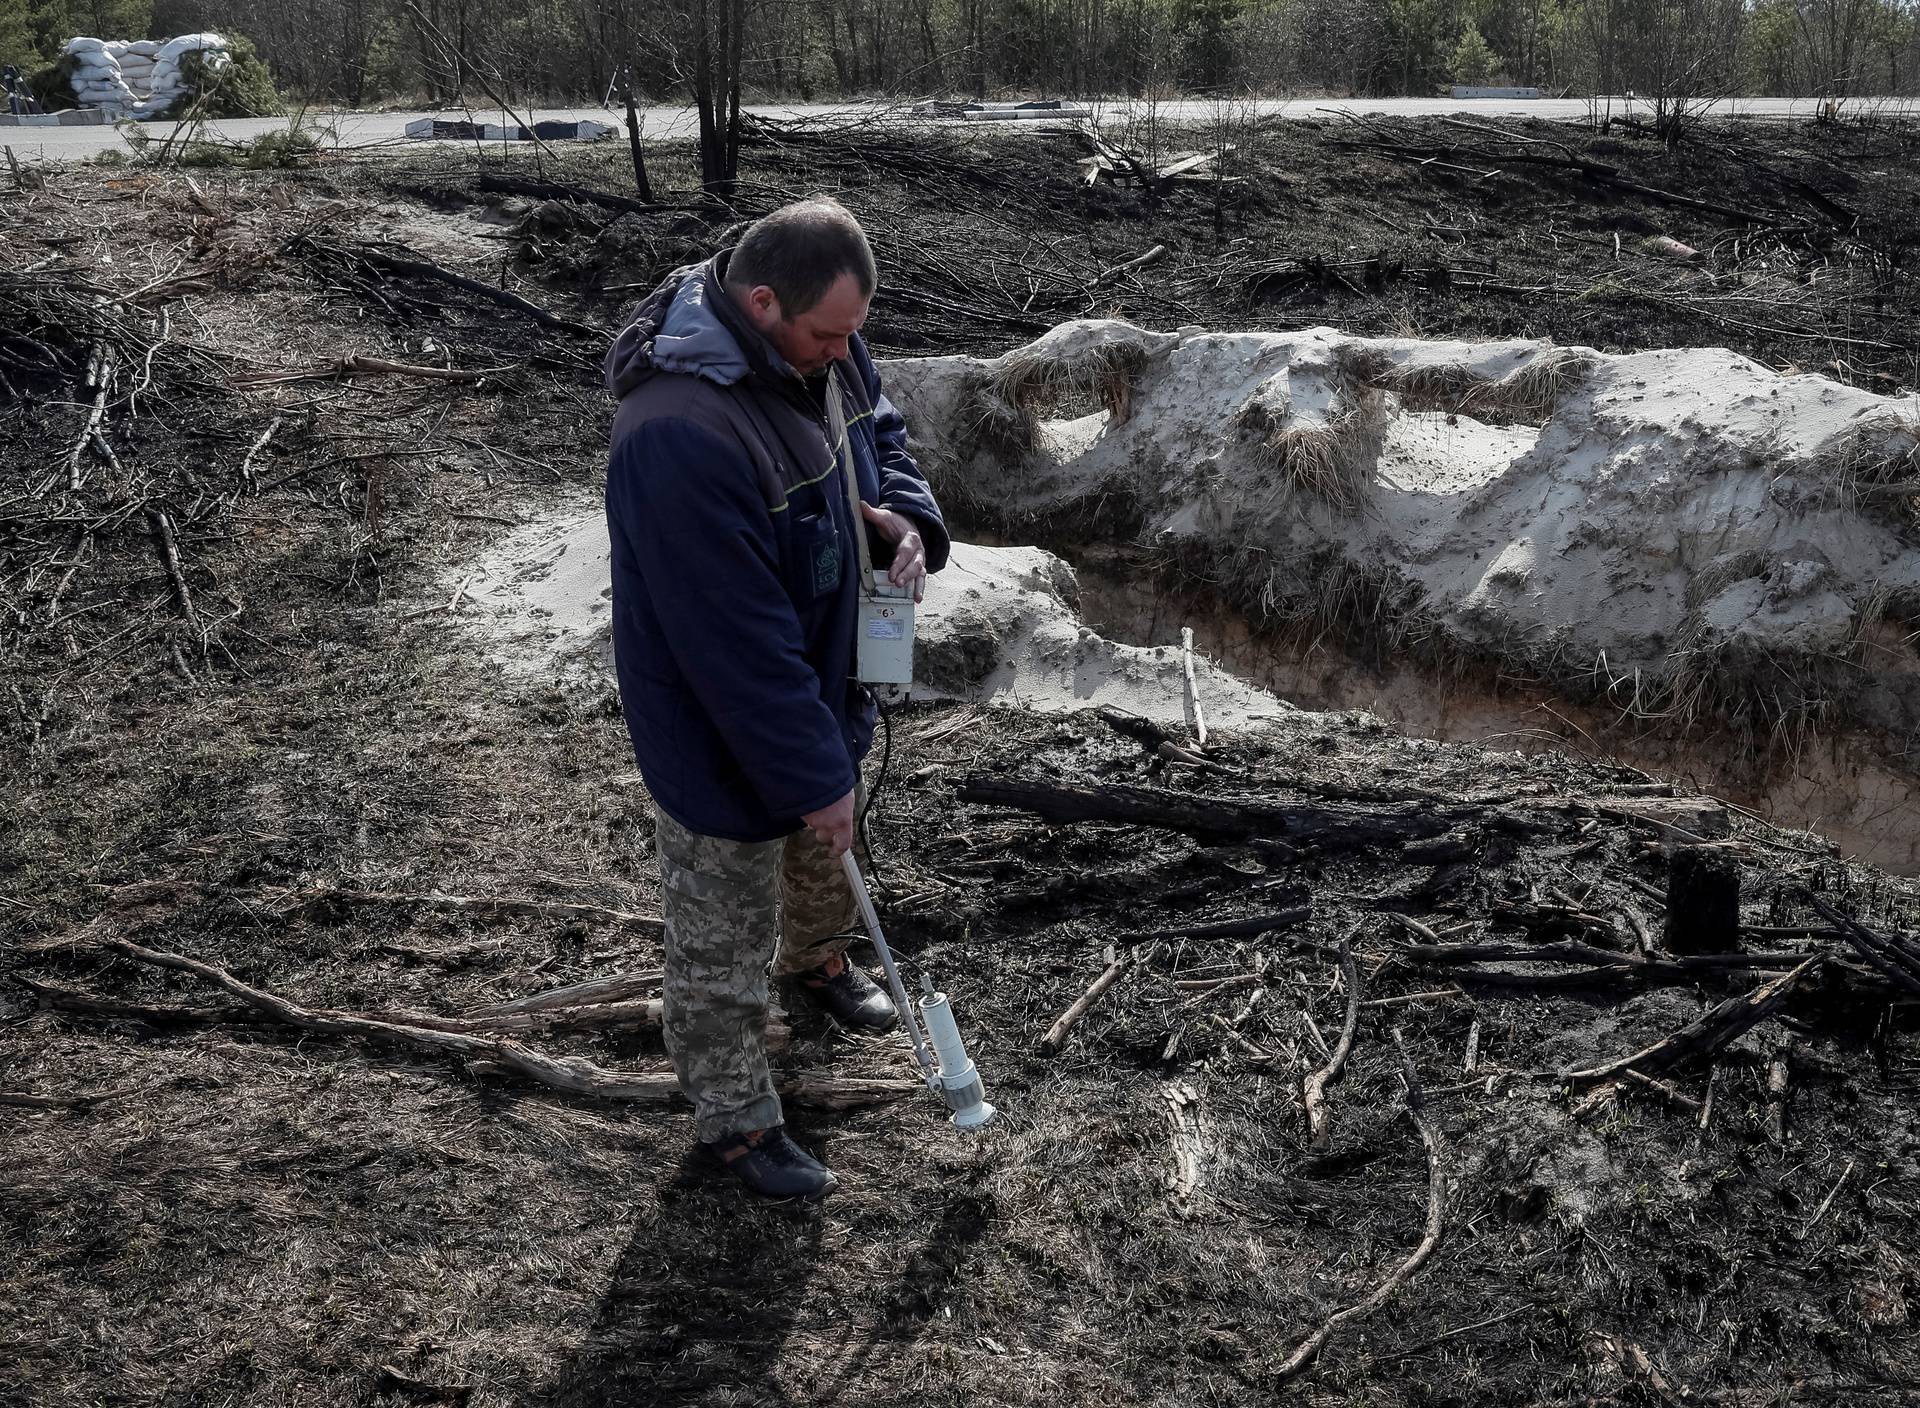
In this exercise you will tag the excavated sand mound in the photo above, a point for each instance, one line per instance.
(1678, 531)
(1004, 624)
(998, 625)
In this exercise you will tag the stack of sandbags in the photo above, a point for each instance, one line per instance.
(97, 80)
(166, 82)
(143, 76)
(136, 63)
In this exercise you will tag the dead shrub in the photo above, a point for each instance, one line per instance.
(1876, 471)
(1332, 460)
(1527, 394)
(1010, 397)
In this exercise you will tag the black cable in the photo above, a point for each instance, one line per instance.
(873, 793)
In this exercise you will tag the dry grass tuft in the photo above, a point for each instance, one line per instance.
(1877, 471)
(1527, 394)
(1331, 460)
(1010, 399)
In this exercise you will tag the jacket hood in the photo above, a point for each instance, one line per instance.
(689, 325)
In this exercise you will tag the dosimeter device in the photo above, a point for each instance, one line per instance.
(884, 644)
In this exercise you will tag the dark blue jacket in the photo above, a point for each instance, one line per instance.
(734, 564)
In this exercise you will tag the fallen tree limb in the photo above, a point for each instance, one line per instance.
(1313, 1091)
(1330, 826)
(569, 1073)
(602, 1015)
(58, 997)
(591, 1014)
(1720, 1025)
(99, 380)
(452, 956)
(167, 545)
(618, 988)
(479, 904)
(1889, 956)
(247, 476)
(1056, 1036)
(645, 1015)
(1229, 928)
(1779, 1069)
(1152, 256)
(143, 893)
(424, 269)
(1193, 687)
(555, 190)
(22, 1100)
(1309, 1348)
(1683, 969)
(357, 365)
(1190, 1141)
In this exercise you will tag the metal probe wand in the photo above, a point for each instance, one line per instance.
(949, 1072)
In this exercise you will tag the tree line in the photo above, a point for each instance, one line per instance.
(579, 51)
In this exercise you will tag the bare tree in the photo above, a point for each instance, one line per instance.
(1836, 35)
(719, 33)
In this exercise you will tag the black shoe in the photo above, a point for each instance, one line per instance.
(773, 1166)
(850, 997)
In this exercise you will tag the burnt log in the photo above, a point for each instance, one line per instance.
(498, 184)
(1322, 826)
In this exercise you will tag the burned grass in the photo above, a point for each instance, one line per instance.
(299, 1220)
(249, 1214)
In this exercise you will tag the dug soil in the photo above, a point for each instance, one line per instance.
(252, 727)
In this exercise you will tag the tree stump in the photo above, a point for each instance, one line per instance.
(1703, 901)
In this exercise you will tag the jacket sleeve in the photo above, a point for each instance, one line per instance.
(902, 485)
(691, 512)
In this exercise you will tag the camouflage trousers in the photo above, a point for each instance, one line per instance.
(735, 910)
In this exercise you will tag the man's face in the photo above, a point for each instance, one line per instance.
(818, 336)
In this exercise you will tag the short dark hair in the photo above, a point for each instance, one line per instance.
(800, 250)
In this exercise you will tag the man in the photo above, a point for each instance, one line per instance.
(734, 610)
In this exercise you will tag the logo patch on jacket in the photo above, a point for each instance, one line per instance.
(826, 565)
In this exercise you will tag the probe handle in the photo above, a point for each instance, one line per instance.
(900, 1002)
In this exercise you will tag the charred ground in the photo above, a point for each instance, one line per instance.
(209, 757)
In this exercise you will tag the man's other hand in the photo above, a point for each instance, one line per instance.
(833, 825)
(909, 553)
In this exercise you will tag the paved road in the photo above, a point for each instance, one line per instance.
(369, 130)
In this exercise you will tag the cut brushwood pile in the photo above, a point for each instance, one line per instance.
(1112, 161)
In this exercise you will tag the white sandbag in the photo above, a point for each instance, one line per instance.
(144, 48)
(189, 44)
(116, 47)
(83, 45)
